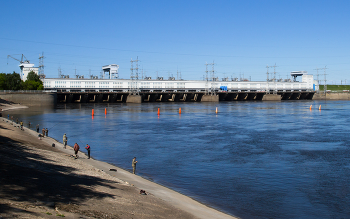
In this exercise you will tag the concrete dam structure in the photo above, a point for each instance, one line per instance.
(80, 90)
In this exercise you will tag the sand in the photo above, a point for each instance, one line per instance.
(41, 181)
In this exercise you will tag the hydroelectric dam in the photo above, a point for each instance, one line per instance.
(93, 90)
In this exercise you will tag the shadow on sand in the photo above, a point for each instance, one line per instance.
(25, 176)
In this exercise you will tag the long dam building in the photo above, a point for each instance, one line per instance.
(80, 89)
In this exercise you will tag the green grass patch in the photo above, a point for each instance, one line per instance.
(60, 215)
(336, 88)
(48, 213)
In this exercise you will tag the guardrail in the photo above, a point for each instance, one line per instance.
(23, 91)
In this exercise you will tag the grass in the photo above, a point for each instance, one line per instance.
(336, 88)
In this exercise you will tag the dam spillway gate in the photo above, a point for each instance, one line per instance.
(121, 97)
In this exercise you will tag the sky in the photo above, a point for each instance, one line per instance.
(177, 38)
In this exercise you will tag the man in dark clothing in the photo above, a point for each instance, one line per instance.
(47, 132)
(88, 150)
(37, 128)
(76, 149)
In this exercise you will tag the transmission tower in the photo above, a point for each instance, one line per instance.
(274, 71)
(274, 79)
(59, 72)
(267, 79)
(212, 78)
(206, 79)
(41, 66)
(325, 80)
(133, 87)
(318, 81)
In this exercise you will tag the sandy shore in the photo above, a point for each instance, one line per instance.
(41, 181)
(6, 106)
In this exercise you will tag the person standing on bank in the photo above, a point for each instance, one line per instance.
(88, 150)
(76, 149)
(47, 132)
(37, 128)
(133, 164)
(21, 123)
(65, 139)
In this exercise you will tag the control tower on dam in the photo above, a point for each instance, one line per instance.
(78, 89)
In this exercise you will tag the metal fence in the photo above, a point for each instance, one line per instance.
(23, 91)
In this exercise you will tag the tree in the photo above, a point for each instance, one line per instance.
(3, 84)
(32, 76)
(13, 81)
(33, 82)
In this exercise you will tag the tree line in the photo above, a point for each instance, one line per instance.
(13, 82)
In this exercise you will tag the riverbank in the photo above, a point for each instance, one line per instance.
(41, 181)
(7, 105)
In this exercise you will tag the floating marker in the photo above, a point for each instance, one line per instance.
(216, 111)
(310, 107)
(105, 111)
(92, 113)
(319, 108)
(180, 110)
(158, 111)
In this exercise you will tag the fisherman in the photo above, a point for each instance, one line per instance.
(47, 132)
(17, 121)
(29, 124)
(37, 128)
(133, 164)
(76, 149)
(88, 150)
(43, 132)
(65, 139)
(21, 125)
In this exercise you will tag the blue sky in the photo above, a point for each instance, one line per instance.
(240, 37)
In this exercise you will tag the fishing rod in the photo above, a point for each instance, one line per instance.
(54, 125)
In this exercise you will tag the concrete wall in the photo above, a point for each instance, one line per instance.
(31, 99)
(133, 99)
(332, 96)
(272, 97)
(210, 98)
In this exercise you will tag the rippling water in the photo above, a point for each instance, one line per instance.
(251, 159)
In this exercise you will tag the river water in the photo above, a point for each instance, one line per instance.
(251, 159)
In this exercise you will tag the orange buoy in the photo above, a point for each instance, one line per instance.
(158, 111)
(310, 107)
(92, 113)
(319, 108)
(216, 111)
(180, 110)
(105, 111)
